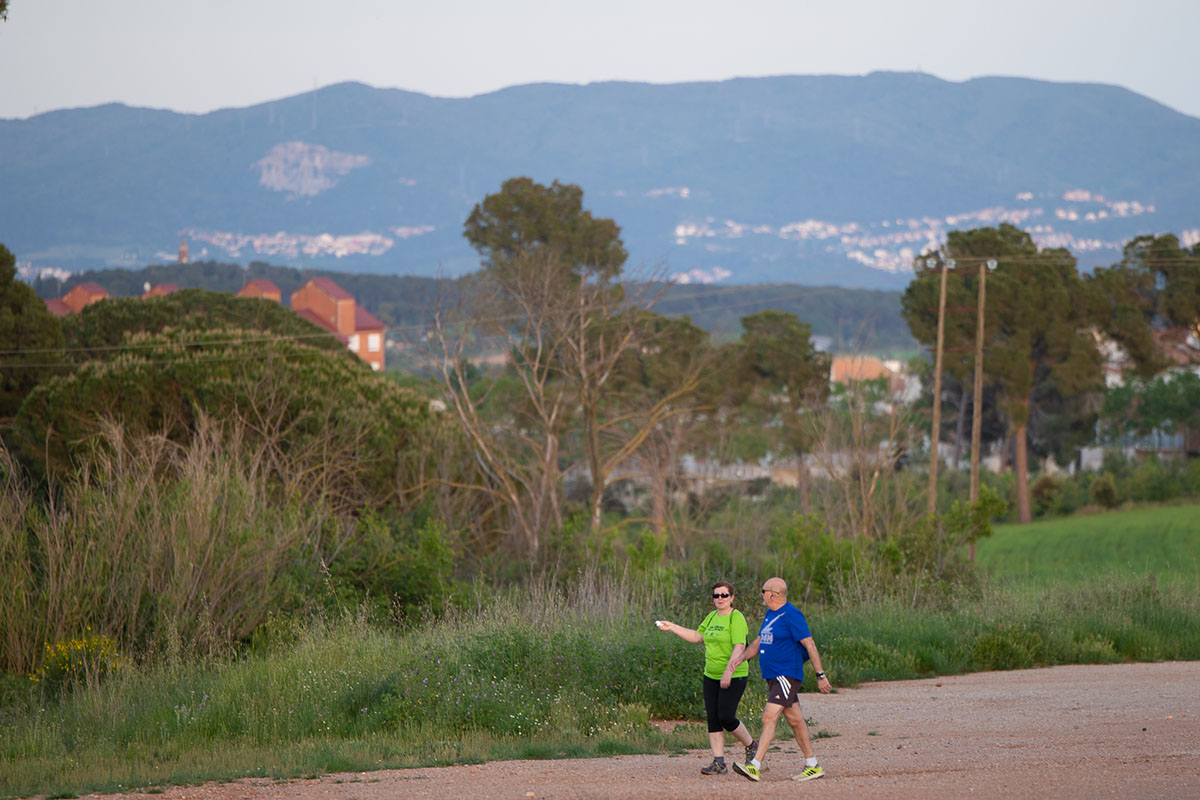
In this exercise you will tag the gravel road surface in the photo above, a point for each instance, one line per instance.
(1125, 731)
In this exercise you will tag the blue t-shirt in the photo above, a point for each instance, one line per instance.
(779, 648)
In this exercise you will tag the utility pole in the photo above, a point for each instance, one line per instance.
(935, 432)
(977, 404)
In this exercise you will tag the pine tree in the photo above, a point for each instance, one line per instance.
(31, 338)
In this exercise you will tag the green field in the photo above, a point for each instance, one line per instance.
(1161, 541)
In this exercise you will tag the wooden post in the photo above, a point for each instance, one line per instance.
(977, 405)
(935, 432)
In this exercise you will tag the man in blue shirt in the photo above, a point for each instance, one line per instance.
(783, 645)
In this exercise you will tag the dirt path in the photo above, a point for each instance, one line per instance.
(1128, 731)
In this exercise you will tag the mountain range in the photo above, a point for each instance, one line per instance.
(809, 179)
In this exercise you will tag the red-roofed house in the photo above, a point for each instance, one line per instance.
(57, 307)
(83, 295)
(323, 302)
(851, 369)
(160, 290)
(263, 289)
(848, 369)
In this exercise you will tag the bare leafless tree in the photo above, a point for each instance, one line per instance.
(861, 444)
(517, 451)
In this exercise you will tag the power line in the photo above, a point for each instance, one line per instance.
(197, 358)
(292, 337)
(1051, 257)
(152, 345)
(800, 293)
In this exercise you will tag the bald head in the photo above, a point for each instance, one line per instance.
(774, 593)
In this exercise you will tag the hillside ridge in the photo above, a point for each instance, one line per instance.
(805, 179)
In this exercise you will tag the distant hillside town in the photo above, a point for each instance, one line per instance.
(812, 180)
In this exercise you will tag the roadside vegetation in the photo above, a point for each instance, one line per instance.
(229, 548)
(536, 671)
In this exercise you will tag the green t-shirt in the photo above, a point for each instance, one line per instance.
(720, 635)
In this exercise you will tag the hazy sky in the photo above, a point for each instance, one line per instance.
(196, 56)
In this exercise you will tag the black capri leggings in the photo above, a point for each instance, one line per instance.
(720, 705)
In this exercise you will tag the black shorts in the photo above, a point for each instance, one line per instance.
(783, 691)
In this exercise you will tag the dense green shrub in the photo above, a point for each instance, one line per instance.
(403, 564)
(1075, 494)
(954, 485)
(1152, 481)
(861, 659)
(1092, 649)
(1006, 646)
(1103, 491)
(106, 330)
(1119, 480)
(1047, 495)
(31, 338)
(331, 428)
(816, 564)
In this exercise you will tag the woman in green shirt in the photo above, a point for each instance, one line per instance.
(724, 633)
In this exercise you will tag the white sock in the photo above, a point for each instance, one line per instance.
(810, 762)
(754, 763)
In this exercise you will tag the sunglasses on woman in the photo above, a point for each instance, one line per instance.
(721, 595)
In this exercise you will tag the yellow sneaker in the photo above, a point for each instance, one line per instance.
(747, 770)
(808, 774)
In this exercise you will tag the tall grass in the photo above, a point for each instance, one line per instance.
(1012, 626)
(156, 545)
(534, 671)
(526, 674)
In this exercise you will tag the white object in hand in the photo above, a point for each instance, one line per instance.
(662, 623)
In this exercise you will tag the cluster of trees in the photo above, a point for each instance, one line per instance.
(1164, 404)
(120, 420)
(596, 377)
(399, 300)
(851, 319)
(128, 406)
(865, 320)
(186, 466)
(1048, 330)
(146, 393)
(156, 367)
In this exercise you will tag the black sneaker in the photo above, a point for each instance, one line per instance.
(751, 750)
(715, 768)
